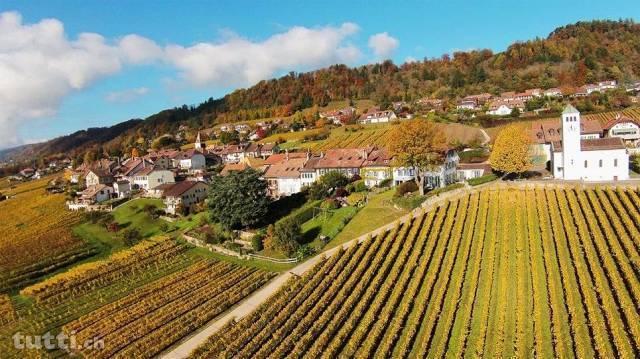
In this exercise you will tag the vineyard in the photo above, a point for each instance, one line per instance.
(378, 135)
(497, 273)
(138, 301)
(37, 237)
(157, 315)
(7, 313)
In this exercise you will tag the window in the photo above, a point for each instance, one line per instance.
(615, 162)
(600, 163)
(585, 164)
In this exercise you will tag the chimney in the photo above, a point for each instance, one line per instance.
(308, 154)
(286, 154)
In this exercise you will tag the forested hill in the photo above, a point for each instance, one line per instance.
(570, 56)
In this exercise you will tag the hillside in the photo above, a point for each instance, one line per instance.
(571, 55)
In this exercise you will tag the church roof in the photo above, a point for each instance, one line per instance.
(569, 109)
(597, 144)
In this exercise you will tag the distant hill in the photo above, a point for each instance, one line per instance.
(570, 56)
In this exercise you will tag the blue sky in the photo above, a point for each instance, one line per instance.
(113, 92)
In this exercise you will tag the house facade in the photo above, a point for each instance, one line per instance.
(149, 178)
(377, 116)
(185, 194)
(98, 176)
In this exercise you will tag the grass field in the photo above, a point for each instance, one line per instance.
(499, 273)
(378, 212)
(37, 235)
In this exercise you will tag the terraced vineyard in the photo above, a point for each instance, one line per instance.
(137, 302)
(37, 237)
(499, 273)
(632, 112)
(152, 318)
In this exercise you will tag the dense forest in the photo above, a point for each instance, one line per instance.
(570, 56)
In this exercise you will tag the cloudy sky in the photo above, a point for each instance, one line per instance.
(69, 65)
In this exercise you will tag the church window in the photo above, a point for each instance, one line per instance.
(585, 164)
(600, 163)
(615, 162)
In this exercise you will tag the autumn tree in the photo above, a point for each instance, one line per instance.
(420, 145)
(510, 152)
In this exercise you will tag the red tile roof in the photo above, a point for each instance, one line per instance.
(547, 131)
(179, 188)
(343, 158)
(598, 144)
(278, 157)
(286, 169)
(620, 119)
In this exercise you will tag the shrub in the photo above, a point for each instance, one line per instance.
(215, 236)
(164, 226)
(406, 187)
(329, 204)
(131, 236)
(357, 186)
(341, 192)
(305, 251)
(410, 202)
(385, 183)
(481, 180)
(256, 242)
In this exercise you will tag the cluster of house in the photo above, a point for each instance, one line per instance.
(289, 172)
(153, 175)
(508, 101)
(578, 149)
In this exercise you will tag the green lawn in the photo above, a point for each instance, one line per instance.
(129, 215)
(377, 213)
(328, 225)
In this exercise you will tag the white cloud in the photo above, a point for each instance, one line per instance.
(410, 59)
(127, 95)
(40, 65)
(383, 45)
(238, 61)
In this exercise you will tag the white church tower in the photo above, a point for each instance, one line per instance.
(571, 143)
(198, 145)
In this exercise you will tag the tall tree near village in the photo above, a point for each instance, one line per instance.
(418, 144)
(239, 199)
(510, 153)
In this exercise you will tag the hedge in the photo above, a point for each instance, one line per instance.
(483, 179)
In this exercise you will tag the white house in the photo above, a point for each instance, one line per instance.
(574, 158)
(185, 194)
(96, 194)
(377, 116)
(403, 174)
(627, 129)
(283, 178)
(97, 176)
(444, 175)
(553, 92)
(150, 177)
(122, 188)
(190, 160)
(467, 171)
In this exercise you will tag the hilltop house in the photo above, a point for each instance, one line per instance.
(377, 116)
(595, 159)
(339, 117)
(184, 195)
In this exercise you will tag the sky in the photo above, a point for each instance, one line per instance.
(70, 65)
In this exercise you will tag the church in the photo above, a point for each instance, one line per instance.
(588, 159)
